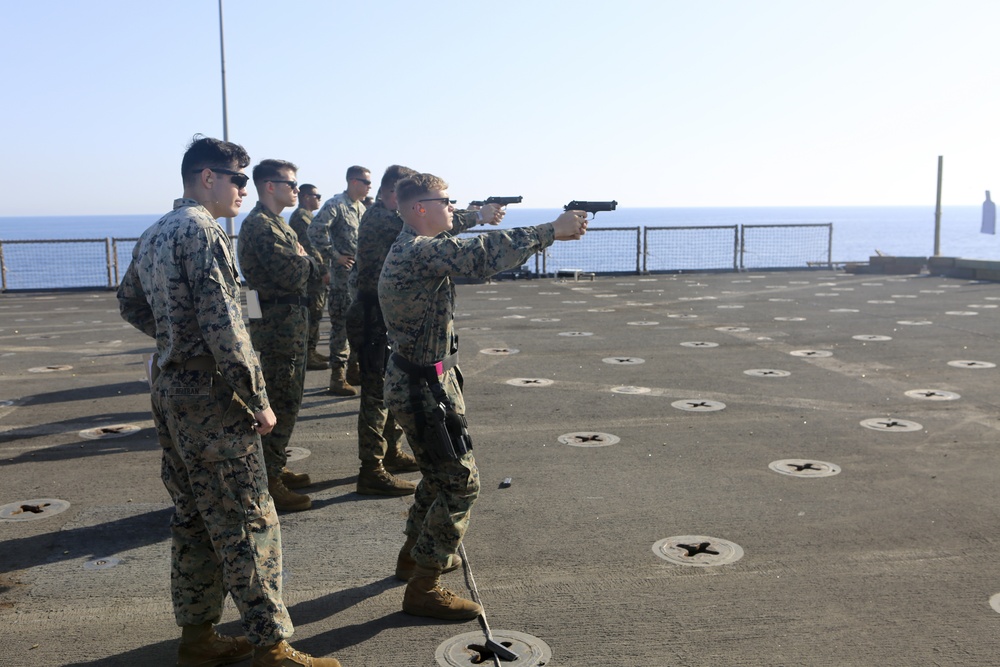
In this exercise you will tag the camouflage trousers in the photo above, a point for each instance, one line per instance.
(317, 303)
(225, 531)
(337, 302)
(280, 340)
(442, 503)
(378, 431)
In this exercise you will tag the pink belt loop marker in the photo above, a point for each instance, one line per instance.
(439, 367)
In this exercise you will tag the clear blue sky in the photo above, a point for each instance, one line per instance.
(652, 103)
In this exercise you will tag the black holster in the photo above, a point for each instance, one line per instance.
(375, 350)
(440, 428)
(452, 434)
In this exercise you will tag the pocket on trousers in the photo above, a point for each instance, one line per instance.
(236, 438)
(242, 490)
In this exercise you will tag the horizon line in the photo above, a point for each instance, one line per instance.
(533, 208)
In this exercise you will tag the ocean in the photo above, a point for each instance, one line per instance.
(858, 231)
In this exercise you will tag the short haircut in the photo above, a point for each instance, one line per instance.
(270, 169)
(357, 172)
(205, 152)
(307, 189)
(395, 174)
(418, 185)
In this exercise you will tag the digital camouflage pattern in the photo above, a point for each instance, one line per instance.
(335, 230)
(418, 302)
(182, 289)
(271, 264)
(225, 531)
(182, 257)
(378, 431)
(300, 221)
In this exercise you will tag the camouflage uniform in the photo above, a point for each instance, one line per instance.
(335, 229)
(182, 289)
(300, 221)
(418, 299)
(378, 431)
(271, 264)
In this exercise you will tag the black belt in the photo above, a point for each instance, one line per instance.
(431, 373)
(286, 301)
(200, 363)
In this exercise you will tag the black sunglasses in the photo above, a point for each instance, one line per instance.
(443, 200)
(238, 179)
(291, 184)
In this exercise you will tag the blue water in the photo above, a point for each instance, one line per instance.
(858, 231)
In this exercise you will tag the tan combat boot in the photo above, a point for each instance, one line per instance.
(202, 646)
(405, 563)
(424, 596)
(295, 480)
(286, 500)
(338, 385)
(353, 374)
(283, 655)
(396, 460)
(375, 480)
(317, 362)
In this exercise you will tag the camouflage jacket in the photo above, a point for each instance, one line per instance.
(379, 229)
(269, 256)
(182, 289)
(335, 230)
(418, 297)
(300, 221)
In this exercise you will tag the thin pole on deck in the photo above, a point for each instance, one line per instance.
(937, 209)
(225, 113)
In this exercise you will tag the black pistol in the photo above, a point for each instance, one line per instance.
(591, 206)
(500, 201)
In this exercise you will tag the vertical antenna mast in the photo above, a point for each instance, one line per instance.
(225, 113)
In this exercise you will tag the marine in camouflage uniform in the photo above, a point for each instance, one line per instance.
(299, 221)
(379, 436)
(334, 233)
(417, 297)
(209, 406)
(182, 289)
(277, 267)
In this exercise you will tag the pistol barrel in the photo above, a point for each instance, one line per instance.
(591, 206)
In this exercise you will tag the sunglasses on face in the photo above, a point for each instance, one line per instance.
(238, 179)
(291, 184)
(362, 180)
(443, 200)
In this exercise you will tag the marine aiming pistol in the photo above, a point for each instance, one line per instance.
(591, 206)
(500, 201)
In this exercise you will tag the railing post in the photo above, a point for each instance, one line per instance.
(645, 251)
(3, 269)
(739, 247)
(638, 251)
(829, 247)
(107, 254)
(114, 253)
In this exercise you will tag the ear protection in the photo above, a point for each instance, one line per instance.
(422, 210)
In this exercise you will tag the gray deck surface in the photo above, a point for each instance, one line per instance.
(893, 561)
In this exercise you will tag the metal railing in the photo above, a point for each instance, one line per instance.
(101, 263)
(705, 248)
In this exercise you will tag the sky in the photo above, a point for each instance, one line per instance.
(660, 103)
